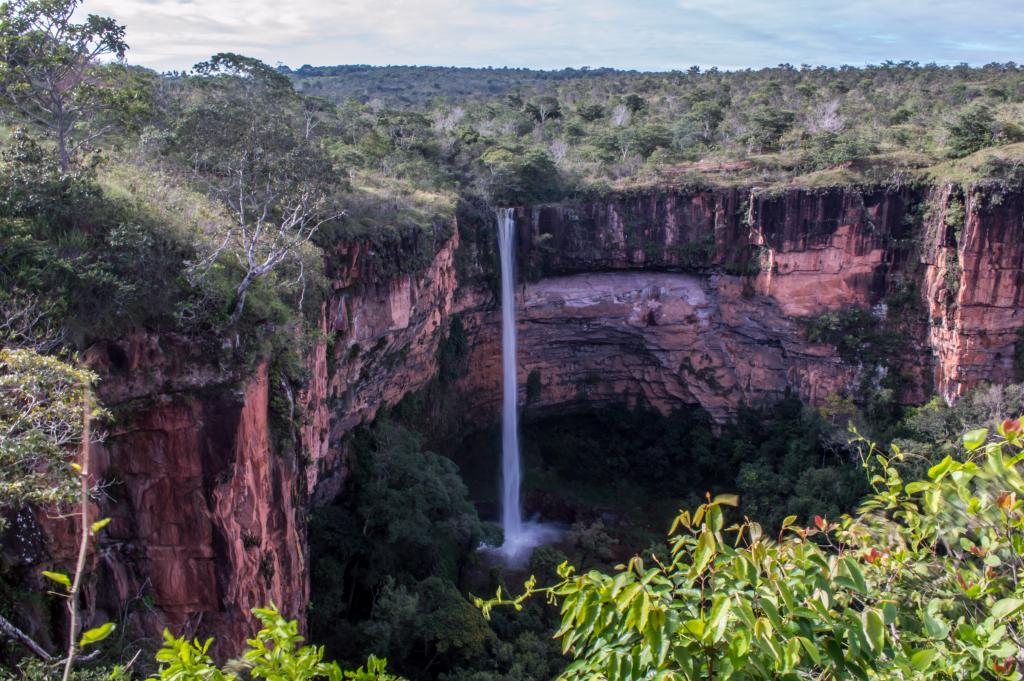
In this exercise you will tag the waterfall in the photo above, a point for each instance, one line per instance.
(511, 512)
(520, 536)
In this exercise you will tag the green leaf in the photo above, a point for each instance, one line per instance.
(719, 619)
(788, 520)
(918, 486)
(58, 577)
(704, 552)
(1007, 607)
(811, 650)
(856, 575)
(96, 635)
(727, 499)
(923, 659)
(940, 469)
(935, 627)
(99, 525)
(874, 629)
(975, 438)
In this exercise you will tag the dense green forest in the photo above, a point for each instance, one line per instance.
(202, 204)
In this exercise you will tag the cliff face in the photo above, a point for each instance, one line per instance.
(974, 285)
(208, 515)
(670, 339)
(696, 298)
(672, 297)
(207, 520)
(386, 328)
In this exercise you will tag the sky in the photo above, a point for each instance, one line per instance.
(631, 34)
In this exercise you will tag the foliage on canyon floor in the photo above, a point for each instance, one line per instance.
(921, 582)
(388, 556)
(782, 459)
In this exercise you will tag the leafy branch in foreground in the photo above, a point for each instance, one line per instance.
(276, 653)
(46, 408)
(41, 414)
(922, 582)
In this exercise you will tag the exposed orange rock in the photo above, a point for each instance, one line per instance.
(670, 339)
(206, 519)
(974, 287)
(674, 297)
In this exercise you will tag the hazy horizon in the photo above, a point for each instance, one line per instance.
(643, 35)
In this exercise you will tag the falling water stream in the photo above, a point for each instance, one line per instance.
(520, 537)
(511, 511)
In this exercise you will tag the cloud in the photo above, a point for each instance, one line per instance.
(641, 34)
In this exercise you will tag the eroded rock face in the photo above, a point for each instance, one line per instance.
(829, 250)
(669, 339)
(207, 519)
(208, 515)
(974, 287)
(386, 330)
(699, 298)
(696, 298)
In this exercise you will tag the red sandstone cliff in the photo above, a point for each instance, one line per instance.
(675, 297)
(974, 287)
(696, 298)
(207, 520)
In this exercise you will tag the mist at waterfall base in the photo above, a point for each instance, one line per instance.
(521, 536)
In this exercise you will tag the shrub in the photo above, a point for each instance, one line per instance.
(971, 131)
(40, 419)
(766, 125)
(519, 176)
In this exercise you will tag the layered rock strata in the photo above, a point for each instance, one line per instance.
(674, 297)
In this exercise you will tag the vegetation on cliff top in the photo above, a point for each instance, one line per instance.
(604, 128)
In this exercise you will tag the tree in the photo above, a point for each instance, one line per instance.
(386, 557)
(699, 125)
(544, 108)
(766, 125)
(635, 103)
(50, 73)
(40, 418)
(247, 140)
(518, 176)
(972, 130)
(921, 583)
(639, 140)
(590, 112)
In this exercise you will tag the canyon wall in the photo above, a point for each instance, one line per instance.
(207, 518)
(674, 297)
(974, 288)
(208, 513)
(700, 298)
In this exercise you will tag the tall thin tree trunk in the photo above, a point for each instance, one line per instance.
(62, 143)
(242, 292)
(84, 528)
